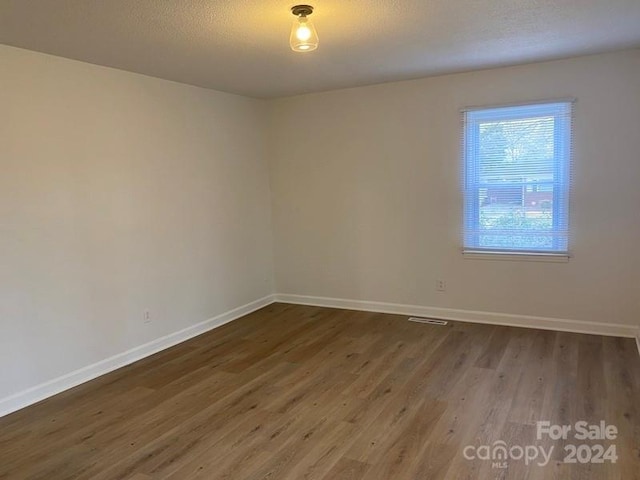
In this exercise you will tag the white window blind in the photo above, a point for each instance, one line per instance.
(517, 178)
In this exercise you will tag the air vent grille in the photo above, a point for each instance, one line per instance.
(431, 321)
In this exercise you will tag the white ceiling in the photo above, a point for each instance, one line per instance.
(241, 46)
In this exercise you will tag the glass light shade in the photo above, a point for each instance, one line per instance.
(304, 37)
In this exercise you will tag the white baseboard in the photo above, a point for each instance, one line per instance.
(77, 377)
(545, 323)
(70, 380)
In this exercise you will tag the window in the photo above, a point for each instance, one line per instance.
(516, 178)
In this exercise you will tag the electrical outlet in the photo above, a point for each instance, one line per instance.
(146, 316)
(441, 286)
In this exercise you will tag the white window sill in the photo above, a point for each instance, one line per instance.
(515, 256)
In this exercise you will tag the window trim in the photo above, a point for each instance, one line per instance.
(474, 108)
(467, 149)
(501, 255)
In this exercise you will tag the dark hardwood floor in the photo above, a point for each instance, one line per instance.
(292, 392)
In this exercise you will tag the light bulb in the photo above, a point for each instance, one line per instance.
(304, 37)
(303, 33)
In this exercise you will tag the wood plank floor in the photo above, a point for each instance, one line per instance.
(292, 392)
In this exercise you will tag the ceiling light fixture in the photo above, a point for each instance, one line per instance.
(304, 37)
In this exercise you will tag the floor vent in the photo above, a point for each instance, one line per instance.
(432, 321)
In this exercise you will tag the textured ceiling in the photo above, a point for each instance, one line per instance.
(241, 46)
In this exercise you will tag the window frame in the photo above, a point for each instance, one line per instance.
(563, 141)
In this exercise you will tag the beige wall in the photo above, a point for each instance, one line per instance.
(120, 193)
(367, 205)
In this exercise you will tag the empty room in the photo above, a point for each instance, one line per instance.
(376, 240)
